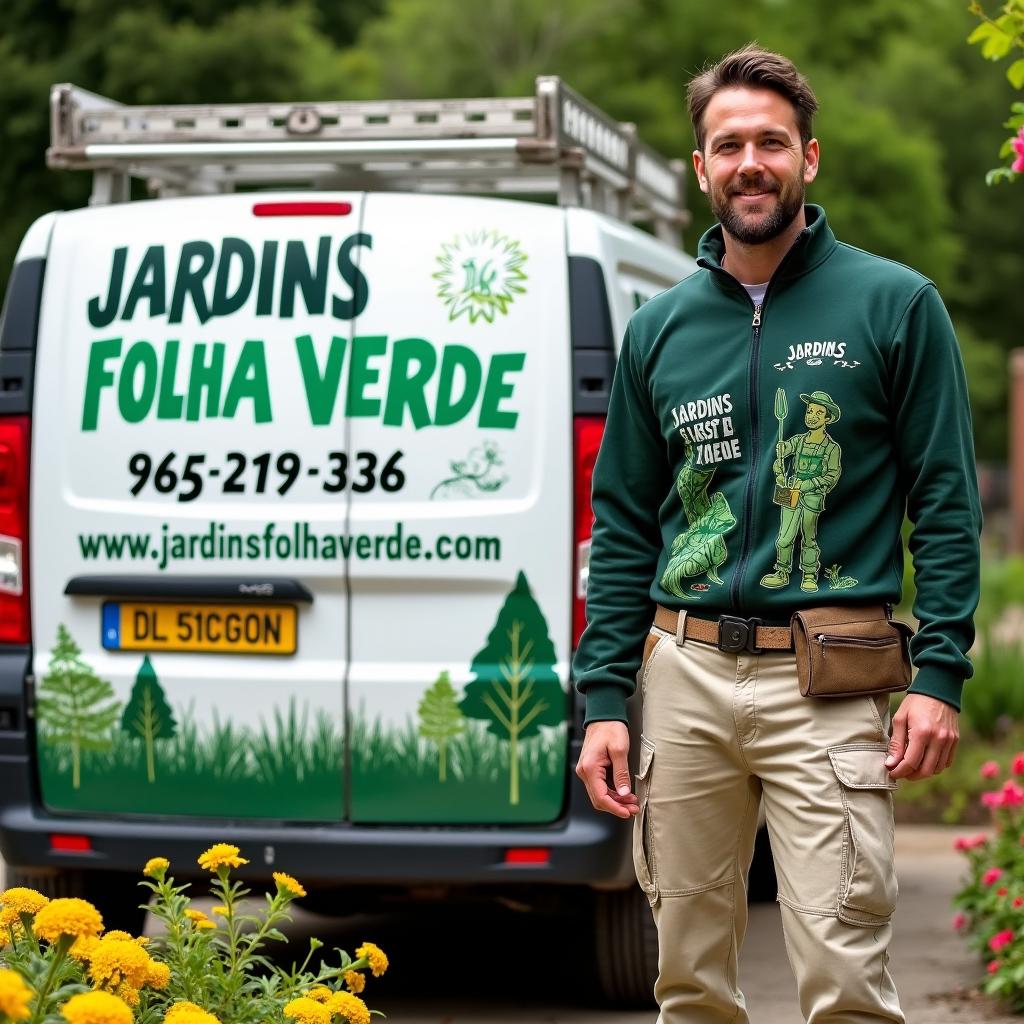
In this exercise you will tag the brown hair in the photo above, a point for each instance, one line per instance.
(754, 68)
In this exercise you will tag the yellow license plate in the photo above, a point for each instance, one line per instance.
(213, 628)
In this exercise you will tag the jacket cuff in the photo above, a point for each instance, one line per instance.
(606, 702)
(940, 683)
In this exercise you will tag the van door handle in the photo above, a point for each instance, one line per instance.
(278, 588)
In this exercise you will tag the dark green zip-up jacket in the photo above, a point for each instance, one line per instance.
(850, 371)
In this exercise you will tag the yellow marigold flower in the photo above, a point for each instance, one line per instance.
(116, 962)
(84, 947)
(188, 1013)
(319, 994)
(221, 855)
(288, 884)
(158, 976)
(118, 934)
(195, 915)
(219, 911)
(128, 994)
(67, 917)
(307, 1011)
(356, 982)
(96, 1008)
(19, 900)
(375, 955)
(156, 867)
(350, 1007)
(14, 995)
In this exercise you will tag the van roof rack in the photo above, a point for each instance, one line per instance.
(553, 143)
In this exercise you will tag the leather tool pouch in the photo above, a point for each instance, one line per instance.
(849, 651)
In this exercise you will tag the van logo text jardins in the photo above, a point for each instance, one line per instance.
(290, 279)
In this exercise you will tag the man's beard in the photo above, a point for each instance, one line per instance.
(789, 203)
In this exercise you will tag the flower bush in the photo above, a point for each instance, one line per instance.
(991, 904)
(59, 966)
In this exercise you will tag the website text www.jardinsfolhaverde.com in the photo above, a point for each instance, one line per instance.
(299, 541)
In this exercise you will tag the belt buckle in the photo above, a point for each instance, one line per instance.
(736, 634)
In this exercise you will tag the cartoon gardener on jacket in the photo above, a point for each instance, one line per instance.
(814, 471)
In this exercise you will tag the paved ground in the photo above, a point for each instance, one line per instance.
(502, 968)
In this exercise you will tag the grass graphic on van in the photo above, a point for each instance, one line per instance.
(481, 274)
(473, 474)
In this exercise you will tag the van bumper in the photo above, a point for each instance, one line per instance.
(584, 848)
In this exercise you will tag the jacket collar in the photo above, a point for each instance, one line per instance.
(812, 246)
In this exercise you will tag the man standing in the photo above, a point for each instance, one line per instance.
(816, 460)
(777, 303)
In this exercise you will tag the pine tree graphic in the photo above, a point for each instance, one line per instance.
(516, 690)
(75, 704)
(441, 719)
(147, 716)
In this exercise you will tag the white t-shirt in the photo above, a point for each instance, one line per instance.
(756, 292)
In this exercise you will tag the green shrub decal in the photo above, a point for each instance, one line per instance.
(515, 689)
(441, 720)
(147, 715)
(75, 705)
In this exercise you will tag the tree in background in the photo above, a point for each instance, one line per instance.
(998, 38)
(75, 705)
(515, 689)
(147, 715)
(441, 720)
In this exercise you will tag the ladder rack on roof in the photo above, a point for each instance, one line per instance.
(552, 143)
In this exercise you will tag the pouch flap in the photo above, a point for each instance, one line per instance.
(861, 766)
(818, 620)
(646, 757)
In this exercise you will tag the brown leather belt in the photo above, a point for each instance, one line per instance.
(730, 633)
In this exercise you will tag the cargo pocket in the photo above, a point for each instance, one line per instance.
(643, 851)
(654, 638)
(867, 886)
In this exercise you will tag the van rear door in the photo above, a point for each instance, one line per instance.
(460, 479)
(188, 514)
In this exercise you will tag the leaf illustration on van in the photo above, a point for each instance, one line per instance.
(75, 705)
(481, 274)
(515, 689)
(147, 715)
(473, 475)
(701, 547)
(441, 720)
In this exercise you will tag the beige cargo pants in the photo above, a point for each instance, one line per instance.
(721, 732)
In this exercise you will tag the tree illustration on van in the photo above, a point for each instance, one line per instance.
(441, 720)
(515, 689)
(147, 715)
(75, 705)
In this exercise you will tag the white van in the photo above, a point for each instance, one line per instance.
(294, 495)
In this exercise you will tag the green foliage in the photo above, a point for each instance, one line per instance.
(515, 688)
(147, 715)
(75, 705)
(441, 719)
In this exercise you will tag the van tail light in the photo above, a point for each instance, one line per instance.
(14, 604)
(587, 434)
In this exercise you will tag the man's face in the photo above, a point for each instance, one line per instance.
(754, 167)
(816, 416)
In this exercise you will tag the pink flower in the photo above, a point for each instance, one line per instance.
(993, 966)
(1013, 794)
(992, 876)
(959, 920)
(1002, 891)
(1018, 901)
(993, 799)
(1000, 939)
(960, 843)
(973, 842)
(1017, 765)
(990, 770)
(1018, 148)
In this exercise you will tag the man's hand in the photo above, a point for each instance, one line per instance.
(606, 745)
(933, 729)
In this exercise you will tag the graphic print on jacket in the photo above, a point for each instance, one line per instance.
(807, 466)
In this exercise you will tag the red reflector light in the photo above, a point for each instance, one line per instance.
(587, 434)
(302, 209)
(14, 456)
(528, 855)
(70, 844)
